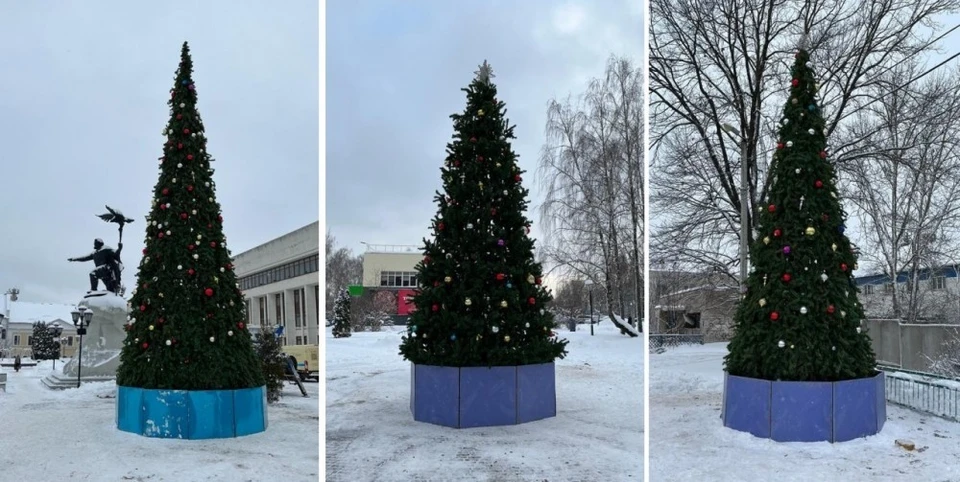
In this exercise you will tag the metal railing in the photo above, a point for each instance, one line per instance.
(670, 340)
(392, 248)
(923, 392)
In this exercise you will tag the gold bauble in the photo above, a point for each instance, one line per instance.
(503, 304)
(467, 302)
(763, 301)
(766, 240)
(449, 279)
(506, 338)
(810, 231)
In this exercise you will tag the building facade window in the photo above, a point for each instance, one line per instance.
(298, 310)
(939, 283)
(16, 339)
(868, 289)
(278, 302)
(399, 279)
(303, 266)
(249, 312)
(69, 341)
(299, 339)
(316, 302)
(263, 310)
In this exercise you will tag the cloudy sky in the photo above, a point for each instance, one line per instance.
(85, 88)
(394, 74)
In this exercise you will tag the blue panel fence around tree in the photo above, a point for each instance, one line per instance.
(191, 414)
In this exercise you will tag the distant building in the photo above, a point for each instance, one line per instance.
(17, 321)
(689, 303)
(280, 282)
(937, 294)
(390, 278)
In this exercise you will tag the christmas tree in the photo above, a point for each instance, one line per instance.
(341, 314)
(186, 329)
(42, 344)
(481, 300)
(272, 363)
(800, 319)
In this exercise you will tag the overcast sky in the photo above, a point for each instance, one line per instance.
(84, 97)
(394, 74)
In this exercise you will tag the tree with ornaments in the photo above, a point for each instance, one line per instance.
(43, 346)
(481, 301)
(800, 319)
(341, 314)
(186, 330)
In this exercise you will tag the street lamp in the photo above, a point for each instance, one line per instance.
(81, 319)
(63, 342)
(744, 212)
(56, 330)
(589, 284)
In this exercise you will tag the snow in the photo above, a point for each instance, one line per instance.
(108, 301)
(689, 442)
(596, 435)
(71, 435)
(627, 326)
(27, 312)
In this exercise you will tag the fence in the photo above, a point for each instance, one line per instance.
(923, 392)
(669, 340)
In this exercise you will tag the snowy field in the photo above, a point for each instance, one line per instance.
(596, 436)
(688, 440)
(70, 435)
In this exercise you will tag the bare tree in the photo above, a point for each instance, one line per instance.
(342, 269)
(903, 183)
(570, 300)
(591, 170)
(726, 62)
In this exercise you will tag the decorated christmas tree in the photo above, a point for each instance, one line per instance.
(800, 319)
(341, 314)
(186, 329)
(481, 300)
(42, 344)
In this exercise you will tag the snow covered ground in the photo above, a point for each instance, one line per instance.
(70, 435)
(688, 440)
(596, 436)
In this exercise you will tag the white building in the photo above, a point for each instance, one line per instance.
(17, 321)
(280, 282)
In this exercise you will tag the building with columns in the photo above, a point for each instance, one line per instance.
(280, 281)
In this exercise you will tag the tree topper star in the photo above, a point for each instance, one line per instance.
(485, 73)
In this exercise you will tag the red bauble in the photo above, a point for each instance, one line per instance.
(213, 244)
(818, 184)
(240, 325)
(440, 226)
(779, 145)
(220, 218)
(145, 345)
(824, 217)
(500, 276)
(772, 208)
(435, 307)
(190, 271)
(163, 206)
(189, 157)
(190, 188)
(777, 233)
(183, 215)
(456, 163)
(126, 327)
(179, 116)
(161, 320)
(823, 154)
(516, 178)
(493, 211)
(190, 247)
(426, 260)
(539, 280)
(843, 266)
(786, 277)
(208, 292)
(209, 315)
(144, 250)
(143, 307)
(831, 309)
(160, 235)
(473, 139)
(774, 316)
(186, 131)
(479, 158)
(165, 191)
(532, 301)
(180, 146)
(795, 82)
(209, 226)
(436, 283)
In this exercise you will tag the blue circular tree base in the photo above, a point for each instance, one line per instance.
(463, 397)
(192, 414)
(805, 411)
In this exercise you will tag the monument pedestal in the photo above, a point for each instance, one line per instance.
(102, 344)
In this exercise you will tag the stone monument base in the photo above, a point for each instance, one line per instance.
(101, 344)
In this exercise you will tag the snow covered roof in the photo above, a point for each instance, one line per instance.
(27, 312)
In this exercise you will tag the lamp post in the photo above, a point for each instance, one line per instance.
(744, 204)
(81, 319)
(63, 341)
(56, 330)
(589, 284)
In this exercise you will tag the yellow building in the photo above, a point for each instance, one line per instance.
(17, 326)
(390, 276)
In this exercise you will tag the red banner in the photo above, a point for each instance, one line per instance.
(405, 304)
